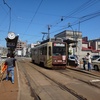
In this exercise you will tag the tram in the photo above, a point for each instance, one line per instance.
(50, 54)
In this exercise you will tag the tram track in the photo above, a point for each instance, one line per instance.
(33, 93)
(65, 72)
(62, 86)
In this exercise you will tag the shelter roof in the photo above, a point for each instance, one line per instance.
(69, 41)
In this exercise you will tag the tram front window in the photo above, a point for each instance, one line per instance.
(59, 50)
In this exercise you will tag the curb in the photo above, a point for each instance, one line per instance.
(82, 70)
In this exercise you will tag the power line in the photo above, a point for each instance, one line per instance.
(82, 19)
(87, 17)
(81, 8)
(9, 15)
(34, 15)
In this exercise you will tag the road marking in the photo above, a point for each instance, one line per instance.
(95, 80)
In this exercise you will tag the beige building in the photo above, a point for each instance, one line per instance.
(21, 48)
(72, 35)
(83, 45)
(20, 45)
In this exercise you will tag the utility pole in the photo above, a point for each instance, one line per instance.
(72, 37)
(48, 32)
(43, 35)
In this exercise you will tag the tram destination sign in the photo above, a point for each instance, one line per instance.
(59, 44)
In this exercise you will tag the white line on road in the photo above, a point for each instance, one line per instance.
(95, 80)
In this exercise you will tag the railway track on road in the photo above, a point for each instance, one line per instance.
(85, 77)
(32, 92)
(61, 86)
(61, 83)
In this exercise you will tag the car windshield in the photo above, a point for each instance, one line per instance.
(72, 57)
(95, 57)
(99, 59)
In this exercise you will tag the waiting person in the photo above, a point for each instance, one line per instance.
(84, 63)
(10, 62)
(76, 61)
(88, 57)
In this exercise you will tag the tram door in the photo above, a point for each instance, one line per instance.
(49, 57)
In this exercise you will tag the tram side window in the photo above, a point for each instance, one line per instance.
(35, 52)
(45, 50)
(49, 51)
(41, 51)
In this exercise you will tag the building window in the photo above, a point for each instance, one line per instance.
(99, 46)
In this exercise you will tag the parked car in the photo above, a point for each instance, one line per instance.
(73, 60)
(96, 64)
(94, 57)
(71, 57)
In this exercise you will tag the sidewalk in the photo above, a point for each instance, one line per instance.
(80, 69)
(9, 91)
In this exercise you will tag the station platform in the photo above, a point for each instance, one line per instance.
(9, 91)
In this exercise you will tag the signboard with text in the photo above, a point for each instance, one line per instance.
(10, 44)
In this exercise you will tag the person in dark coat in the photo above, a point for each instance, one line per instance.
(10, 62)
(84, 63)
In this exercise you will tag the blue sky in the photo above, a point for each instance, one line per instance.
(29, 18)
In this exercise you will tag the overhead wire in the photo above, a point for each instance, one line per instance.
(34, 15)
(3, 20)
(84, 6)
(87, 17)
(9, 14)
(82, 19)
(71, 13)
(81, 8)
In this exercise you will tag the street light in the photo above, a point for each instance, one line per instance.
(48, 31)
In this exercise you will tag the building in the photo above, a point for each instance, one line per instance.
(21, 48)
(3, 51)
(91, 46)
(75, 48)
(83, 45)
(95, 44)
